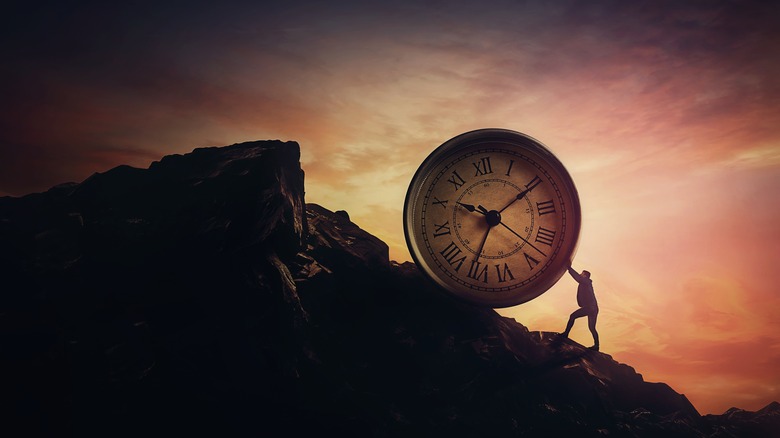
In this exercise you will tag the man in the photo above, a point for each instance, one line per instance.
(586, 299)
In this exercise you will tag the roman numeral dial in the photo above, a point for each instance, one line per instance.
(492, 217)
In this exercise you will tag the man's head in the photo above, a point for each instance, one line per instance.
(586, 274)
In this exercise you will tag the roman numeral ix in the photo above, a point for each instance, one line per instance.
(443, 204)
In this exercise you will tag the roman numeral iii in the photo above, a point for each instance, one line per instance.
(545, 207)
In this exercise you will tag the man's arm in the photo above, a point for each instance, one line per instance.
(575, 275)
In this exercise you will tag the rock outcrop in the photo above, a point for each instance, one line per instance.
(740, 423)
(201, 296)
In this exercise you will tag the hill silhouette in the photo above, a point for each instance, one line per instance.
(204, 296)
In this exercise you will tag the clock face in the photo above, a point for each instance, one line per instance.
(493, 217)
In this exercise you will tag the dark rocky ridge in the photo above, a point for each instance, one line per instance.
(200, 296)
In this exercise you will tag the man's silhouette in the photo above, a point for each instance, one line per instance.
(586, 299)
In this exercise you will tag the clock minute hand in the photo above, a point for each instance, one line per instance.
(516, 198)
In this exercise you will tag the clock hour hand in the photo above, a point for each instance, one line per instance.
(471, 208)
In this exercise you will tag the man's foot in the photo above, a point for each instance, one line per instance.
(594, 348)
(563, 335)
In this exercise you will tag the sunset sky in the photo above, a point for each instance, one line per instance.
(666, 114)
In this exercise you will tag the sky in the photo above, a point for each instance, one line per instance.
(664, 112)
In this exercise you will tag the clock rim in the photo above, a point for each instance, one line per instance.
(451, 147)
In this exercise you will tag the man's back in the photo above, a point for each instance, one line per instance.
(586, 297)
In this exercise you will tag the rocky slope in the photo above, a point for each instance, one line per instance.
(202, 296)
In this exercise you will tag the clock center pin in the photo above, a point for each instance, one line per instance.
(493, 218)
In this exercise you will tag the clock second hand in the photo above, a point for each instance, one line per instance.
(482, 245)
(523, 238)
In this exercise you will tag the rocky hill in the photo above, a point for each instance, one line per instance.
(202, 296)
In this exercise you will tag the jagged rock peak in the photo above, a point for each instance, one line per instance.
(340, 242)
(202, 296)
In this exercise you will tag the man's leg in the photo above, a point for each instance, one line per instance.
(592, 326)
(576, 314)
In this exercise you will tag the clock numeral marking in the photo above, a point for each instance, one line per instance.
(476, 273)
(483, 167)
(533, 183)
(450, 253)
(511, 162)
(545, 236)
(456, 180)
(532, 262)
(545, 207)
(502, 275)
(442, 203)
(445, 227)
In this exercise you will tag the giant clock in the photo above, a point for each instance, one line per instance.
(493, 217)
